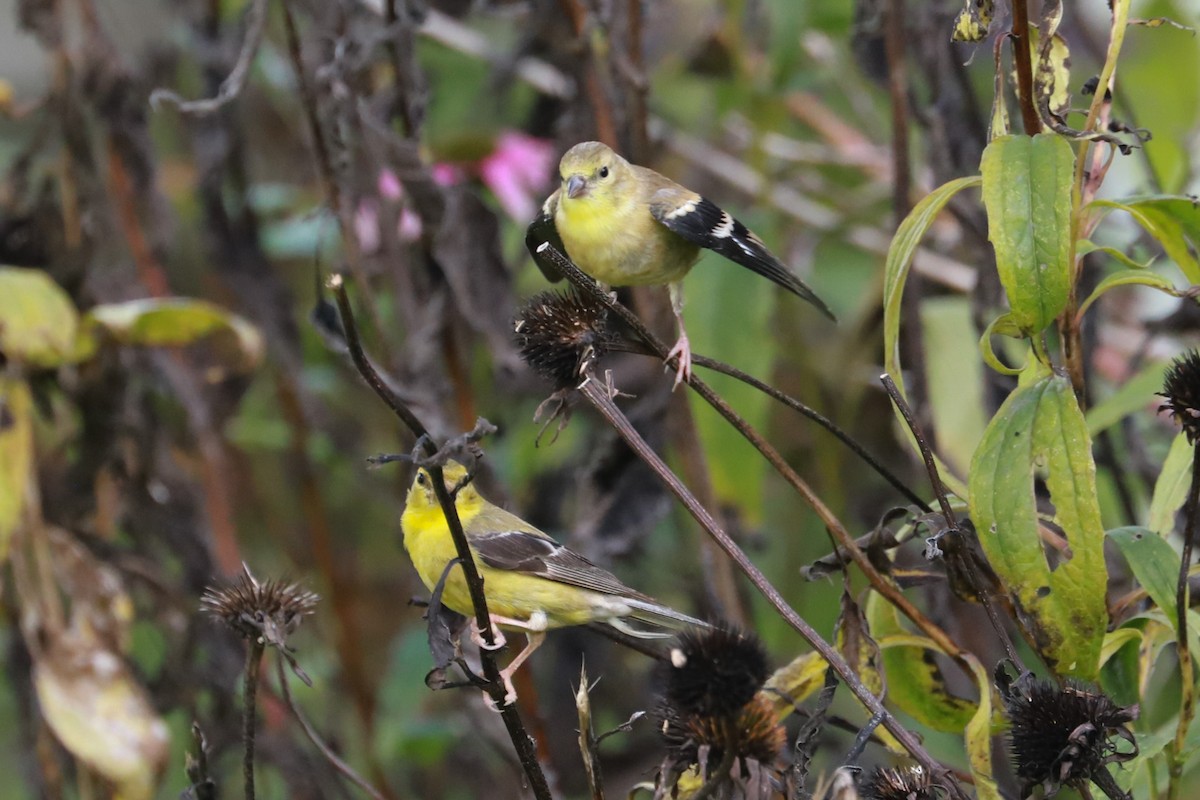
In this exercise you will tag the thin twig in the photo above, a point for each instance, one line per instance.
(599, 396)
(959, 550)
(816, 416)
(1187, 705)
(254, 651)
(338, 764)
(521, 740)
(838, 532)
(231, 87)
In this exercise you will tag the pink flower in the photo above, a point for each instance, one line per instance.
(517, 171)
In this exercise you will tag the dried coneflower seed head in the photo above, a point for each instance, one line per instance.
(1181, 388)
(561, 333)
(714, 672)
(899, 783)
(755, 733)
(1065, 735)
(267, 610)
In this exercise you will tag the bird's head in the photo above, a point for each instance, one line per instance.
(421, 496)
(592, 170)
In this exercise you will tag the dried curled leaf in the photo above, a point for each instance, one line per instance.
(100, 713)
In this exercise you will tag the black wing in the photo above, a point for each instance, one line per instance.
(519, 551)
(706, 224)
(542, 230)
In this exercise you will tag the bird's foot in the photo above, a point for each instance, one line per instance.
(510, 694)
(683, 352)
(498, 640)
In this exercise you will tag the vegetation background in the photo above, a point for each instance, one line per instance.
(412, 153)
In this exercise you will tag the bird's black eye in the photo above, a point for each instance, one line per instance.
(604, 172)
(422, 479)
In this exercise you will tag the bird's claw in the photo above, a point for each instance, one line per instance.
(683, 352)
(498, 639)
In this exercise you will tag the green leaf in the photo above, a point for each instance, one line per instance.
(1172, 221)
(1154, 562)
(1171, 488)
(955, 379)
(915, 684)
(1085, 247)
(899, 259)
(1040, 426)
(1003, 325)
(1027, 192)
(173, 322)
(1133, 396)
(1129, 277)
(980, 729)
(16, 455)
(39, 319)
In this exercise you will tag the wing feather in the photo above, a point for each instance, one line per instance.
(704, 223)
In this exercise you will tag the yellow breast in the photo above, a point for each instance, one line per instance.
(621, 244)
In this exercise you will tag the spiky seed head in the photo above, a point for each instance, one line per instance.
(754, 733)
(899, 783)
(561, 333)
(715, 671)
(268, 610)
(1065, 735)
(1181, 388)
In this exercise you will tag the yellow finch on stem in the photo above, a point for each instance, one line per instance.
(627, 225)
(532, 583)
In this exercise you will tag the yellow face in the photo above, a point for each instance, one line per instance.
(590, 171)
(421, 497)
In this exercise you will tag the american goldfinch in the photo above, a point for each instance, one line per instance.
(532, 583)
(627, 225)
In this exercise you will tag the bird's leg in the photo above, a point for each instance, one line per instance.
(533, 640)
(682, 348)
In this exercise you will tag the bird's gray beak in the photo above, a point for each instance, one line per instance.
(576, 186)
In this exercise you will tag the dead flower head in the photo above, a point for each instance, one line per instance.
(1181, 388)
(267, 611)
(899, 783)
(561, 333)
(1066, 735)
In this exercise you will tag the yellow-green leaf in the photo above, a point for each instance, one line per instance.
(795, 681)
(16, 455)
(1129, 277)
(899, 260)
(1040, 427)
(174, 322)
(1170, 490)
(1173, 221)
(1134, 395)
(973, 20)
(37, 318)
(101, 714)
(1027, 193)
(915, 683)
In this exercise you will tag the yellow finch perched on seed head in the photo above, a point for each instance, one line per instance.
(627, 225)
(532, 583)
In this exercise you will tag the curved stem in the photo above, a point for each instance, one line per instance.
(521, 740)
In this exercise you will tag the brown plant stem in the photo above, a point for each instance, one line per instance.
(600, 397)
(817, 417)
(338, 764)
(521, 740)
(1187, 709)
(959, 552)
(838, 533)
(254, 651)
(1024, 64)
